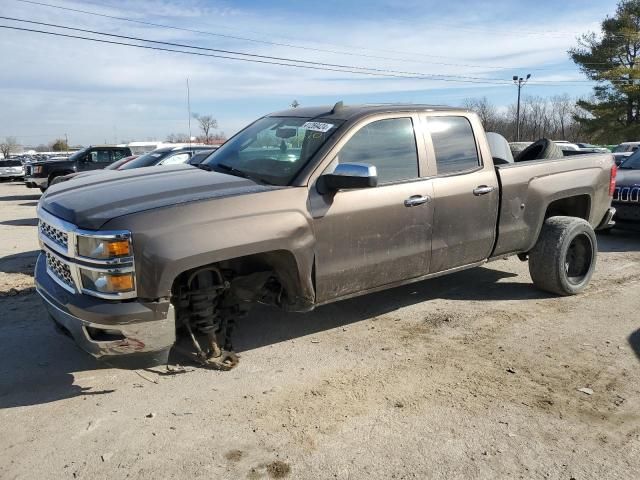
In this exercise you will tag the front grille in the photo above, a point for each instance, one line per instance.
(27, 170)
(52, 233)
(59, 269)
(627, 194)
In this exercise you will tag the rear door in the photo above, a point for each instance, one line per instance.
(466, 191)
(371, 237)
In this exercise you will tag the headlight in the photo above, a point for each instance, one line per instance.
(105, 282)
(103, 248)
(37, 169)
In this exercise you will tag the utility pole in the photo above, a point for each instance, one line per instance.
(189, 111)
(519, 82)
(66, 141)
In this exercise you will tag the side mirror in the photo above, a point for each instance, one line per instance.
(346, 176)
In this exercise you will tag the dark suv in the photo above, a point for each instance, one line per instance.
(41, 174)
(626, 198)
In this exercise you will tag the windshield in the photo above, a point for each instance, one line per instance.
(274, 149)
(146, 160)
(631, 163)
(79, 154)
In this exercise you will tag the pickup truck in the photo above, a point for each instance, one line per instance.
(302, 208)
(41, 174)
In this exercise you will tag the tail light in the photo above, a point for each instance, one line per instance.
(612, 180)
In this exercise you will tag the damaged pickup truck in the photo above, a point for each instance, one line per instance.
(305, 207)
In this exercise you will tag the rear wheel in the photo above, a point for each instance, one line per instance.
(564, 258)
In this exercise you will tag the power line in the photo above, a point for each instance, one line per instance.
(250, 60)
(253, 55)
(287, 45)
(444, 77)
(345, 69)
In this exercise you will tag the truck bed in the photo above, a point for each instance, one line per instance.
(529, 189)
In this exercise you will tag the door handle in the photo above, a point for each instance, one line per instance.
(416, 200)
(482, 190)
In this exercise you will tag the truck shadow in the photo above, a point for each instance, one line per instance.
(16, 198)
(619, 241)
(21, 222)
(634, 341)
(38, 364)
(24, 262)
(265, 326)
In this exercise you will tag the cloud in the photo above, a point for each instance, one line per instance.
(90, 88)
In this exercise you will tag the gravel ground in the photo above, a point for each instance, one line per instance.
(475, 375)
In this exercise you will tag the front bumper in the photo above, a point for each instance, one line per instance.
(4, 175)
(115, 331)
(36, 182)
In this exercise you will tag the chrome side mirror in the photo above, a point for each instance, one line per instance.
(347, 176)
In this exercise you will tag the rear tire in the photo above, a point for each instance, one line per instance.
(564, 257)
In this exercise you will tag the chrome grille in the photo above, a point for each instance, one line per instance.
(27, 170)
(627, 194)
(52, 233)
(59, 269)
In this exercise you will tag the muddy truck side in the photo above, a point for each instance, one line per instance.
(305, 207)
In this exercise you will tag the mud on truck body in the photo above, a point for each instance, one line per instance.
(305, 207)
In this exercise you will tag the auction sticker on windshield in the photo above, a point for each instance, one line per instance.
(318, 126)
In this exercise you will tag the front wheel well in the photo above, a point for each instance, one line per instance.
(280, 263)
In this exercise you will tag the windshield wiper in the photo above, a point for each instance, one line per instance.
(240, 173)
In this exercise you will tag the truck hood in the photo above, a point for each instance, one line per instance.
(92, 200)
(627, 178)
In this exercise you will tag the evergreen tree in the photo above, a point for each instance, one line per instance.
(610, 58)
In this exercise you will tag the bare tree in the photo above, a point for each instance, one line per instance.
(486, 111)
(207, 123)
(554, 118)
(178, 138)
(8, 146)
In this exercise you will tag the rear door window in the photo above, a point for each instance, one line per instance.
(454, 144)
(118, 154)
(389, 144)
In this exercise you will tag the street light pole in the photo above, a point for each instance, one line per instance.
(519, 82)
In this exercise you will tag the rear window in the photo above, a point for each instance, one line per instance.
(10, 163)
(454, 144)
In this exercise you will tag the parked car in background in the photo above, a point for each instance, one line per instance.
(624, 151)
(11, 170)
(41, 174)
(200, 157)
(166, 156)
(162, 156)
(119, 163)
(567, 146)
(592, 148)
(626, 197)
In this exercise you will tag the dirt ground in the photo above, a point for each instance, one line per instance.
(475, 375)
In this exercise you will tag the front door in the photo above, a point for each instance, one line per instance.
(371, 237)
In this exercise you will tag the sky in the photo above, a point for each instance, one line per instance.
(94, 92)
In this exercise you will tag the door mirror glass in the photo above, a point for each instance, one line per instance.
(346, 176)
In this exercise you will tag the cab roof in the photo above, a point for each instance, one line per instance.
(348, 112)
